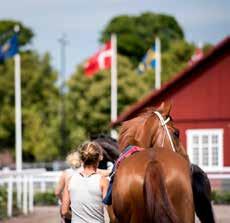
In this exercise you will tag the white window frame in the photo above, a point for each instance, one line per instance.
(209, 132)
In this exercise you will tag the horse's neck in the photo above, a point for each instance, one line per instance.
(162, 141)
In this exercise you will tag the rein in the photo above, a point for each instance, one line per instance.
(164, 124)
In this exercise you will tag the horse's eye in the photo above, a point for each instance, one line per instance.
(176, 133)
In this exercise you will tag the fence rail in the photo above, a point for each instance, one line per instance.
(26, 183)
(30, 181)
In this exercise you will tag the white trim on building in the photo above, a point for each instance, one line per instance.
(205, 148)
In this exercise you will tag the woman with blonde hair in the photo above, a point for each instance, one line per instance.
(87, 188)
(74, 162)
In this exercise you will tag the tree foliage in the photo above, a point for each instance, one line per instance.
(7, 29)
(39, 107)
(40, 111)
(87, 100)
(137, 33)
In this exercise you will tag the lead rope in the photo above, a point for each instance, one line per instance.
(164, 124)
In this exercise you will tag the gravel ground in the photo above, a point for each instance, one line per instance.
(51, 215)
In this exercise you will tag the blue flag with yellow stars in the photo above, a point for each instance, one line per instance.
(148, 61)
(9, 49)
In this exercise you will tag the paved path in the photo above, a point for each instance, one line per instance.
(222, 213)
(40, 215)
(51, 215)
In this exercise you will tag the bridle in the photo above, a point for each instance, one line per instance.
(164, 125)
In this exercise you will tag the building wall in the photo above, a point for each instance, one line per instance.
(203, 102)
(206, 97)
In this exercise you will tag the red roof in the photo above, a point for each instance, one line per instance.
(191, 71)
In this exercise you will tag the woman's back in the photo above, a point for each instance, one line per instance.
(86, 198)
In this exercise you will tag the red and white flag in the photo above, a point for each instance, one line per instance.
(196, 56)
(99, 61)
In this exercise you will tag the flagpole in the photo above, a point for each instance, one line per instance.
(18, 119)
(158, 64)
(18, 112)
(18, 124)
(114, 83)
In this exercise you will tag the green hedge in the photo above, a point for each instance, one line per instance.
(221, 197)
(47, 198)
(3, 204)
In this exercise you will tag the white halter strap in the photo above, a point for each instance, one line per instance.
(164, 124)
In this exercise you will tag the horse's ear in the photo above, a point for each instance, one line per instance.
(168, 107)
(161, 107)
(165, 108)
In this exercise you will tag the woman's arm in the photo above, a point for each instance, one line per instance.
(60, 186)
(66, 202)
(104, 186)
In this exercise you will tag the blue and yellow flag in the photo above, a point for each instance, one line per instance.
(9, 49)
(149, 60)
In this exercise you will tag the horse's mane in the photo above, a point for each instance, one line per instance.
(130, 127)
(146, 112)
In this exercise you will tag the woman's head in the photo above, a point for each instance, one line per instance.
(91, 153)
(73, 159)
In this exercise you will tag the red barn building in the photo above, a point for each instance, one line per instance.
(201, 108)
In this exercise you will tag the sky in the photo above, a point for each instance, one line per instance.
(83, 20)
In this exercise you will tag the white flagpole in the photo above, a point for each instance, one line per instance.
(18, 112)
(158, 64)
(18, 121)
(114, 83)
(18, 124)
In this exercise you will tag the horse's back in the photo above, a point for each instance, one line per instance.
(128, 200)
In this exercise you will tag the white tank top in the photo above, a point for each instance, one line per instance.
(86, 199)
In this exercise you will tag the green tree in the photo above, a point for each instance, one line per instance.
(88, 99)
(40, 102)
(137, 33)
(39, 107)
(176, 58)
(7, 28)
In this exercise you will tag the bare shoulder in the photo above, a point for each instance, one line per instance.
(68, 179)
(104, 181)
(104, 173)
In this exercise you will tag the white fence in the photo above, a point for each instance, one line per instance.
(26, 183)
(220, 181)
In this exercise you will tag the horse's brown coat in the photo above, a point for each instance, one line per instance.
(154, 183)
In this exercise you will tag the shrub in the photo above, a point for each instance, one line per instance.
(3, 203)
(47, 198)
(221, 197)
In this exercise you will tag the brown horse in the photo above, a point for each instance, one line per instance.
(153, 185)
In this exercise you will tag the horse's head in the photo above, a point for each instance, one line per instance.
(109, 147)
(167, 134)
(148, 129)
